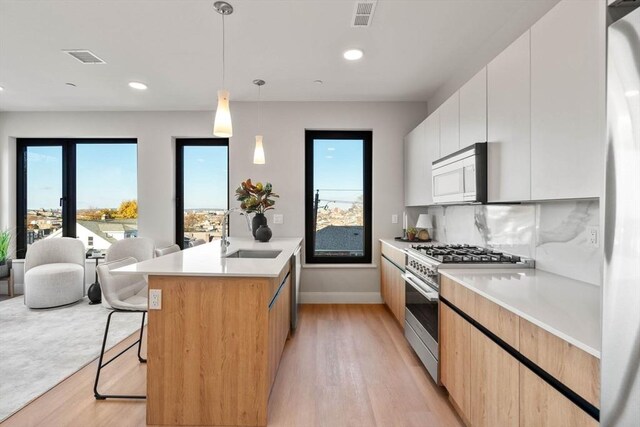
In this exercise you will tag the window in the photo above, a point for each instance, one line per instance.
(83, 188)
(202, 188)
(338, 196)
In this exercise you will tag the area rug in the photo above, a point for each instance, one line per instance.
(40, 348)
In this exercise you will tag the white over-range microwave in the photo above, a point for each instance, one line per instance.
(461, 177)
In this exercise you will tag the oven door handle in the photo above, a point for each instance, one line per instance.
(430, 296)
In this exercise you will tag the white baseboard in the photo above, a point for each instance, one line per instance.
(340, 298)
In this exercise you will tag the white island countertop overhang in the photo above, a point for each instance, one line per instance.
(209, 260)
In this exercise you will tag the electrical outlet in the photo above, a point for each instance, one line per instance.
(394, 219)
(278, 218)
(155, 299)
(593, 236)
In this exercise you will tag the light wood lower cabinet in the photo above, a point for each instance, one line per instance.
(392, 288)
(541, 405)
(455, 358)
(489, 385)
(279, 326)
(494, 384)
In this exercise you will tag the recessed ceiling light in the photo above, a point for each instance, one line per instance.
(353, 54)
(631, 93)
(138, 85)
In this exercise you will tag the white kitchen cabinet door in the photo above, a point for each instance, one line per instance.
(568, 60)
(450, 125)
(414, 154)
(509, 120)
(432, 152)
(473, 110)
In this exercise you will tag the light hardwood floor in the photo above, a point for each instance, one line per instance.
(347, 365)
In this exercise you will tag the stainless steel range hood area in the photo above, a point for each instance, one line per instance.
(461, 177)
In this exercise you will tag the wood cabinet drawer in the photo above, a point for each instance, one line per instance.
(458, 295)
(572, 366)
(541, 405)
(392, 288)
(393, 254)
(498, 320)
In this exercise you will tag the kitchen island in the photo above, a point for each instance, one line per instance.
(215, 341)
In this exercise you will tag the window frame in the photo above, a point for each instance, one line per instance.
(367, 182)
(179, 156)
(69, 183)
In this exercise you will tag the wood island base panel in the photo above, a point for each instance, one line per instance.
(214, 348)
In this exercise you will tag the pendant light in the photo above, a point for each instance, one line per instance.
(222, 124)
(258, 152)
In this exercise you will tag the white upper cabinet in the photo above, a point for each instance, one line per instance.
(421, 147)
(473, 110)
(450, 125)
(414, 154)
(568, 61)
(508, 120)
(432, 135)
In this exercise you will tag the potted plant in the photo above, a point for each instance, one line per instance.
(5, 239)
(257, 199)
(411, 233)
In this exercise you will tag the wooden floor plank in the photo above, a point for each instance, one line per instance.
(347, 365)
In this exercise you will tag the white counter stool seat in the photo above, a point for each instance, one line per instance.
(54, 273)
(198, 242)
(167, 250)
(125, 294)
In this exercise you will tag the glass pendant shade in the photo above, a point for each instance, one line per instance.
(222, 124)
(258, 152)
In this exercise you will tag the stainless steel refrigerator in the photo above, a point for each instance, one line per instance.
(620, 397)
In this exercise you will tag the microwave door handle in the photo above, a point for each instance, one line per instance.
(430, 296)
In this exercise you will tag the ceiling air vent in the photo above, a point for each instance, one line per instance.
(85, 56)
(363, 13)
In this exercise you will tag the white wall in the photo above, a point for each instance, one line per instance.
(283, 130)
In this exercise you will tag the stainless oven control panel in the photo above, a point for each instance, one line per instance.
(424, 271)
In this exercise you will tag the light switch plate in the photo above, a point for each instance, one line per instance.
(155, 299)
(394, 219)
(278, 218)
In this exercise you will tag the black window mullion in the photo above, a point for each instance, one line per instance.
(69, 189)
(21, 199)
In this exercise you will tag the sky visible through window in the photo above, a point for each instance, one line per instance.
(106, 175)
(338, 171)
(205, 177)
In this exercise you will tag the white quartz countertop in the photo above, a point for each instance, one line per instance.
(208, 260)
(567, 308)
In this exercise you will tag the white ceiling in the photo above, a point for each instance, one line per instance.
(411, 49)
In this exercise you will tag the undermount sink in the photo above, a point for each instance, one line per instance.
(249, 253)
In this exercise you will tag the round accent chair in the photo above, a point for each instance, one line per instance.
(54, 273)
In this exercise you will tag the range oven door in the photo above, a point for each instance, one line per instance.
(421, 321)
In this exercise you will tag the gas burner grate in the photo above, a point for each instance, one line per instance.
(466, 254)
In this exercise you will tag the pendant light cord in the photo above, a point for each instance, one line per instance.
(260, 106)
(223, 62)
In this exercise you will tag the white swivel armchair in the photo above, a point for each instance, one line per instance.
(125, 294)
(54, 273)
(168, 250)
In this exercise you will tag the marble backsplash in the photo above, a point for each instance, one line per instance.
(555, 233)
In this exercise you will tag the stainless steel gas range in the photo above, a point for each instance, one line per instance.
(422, 287)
